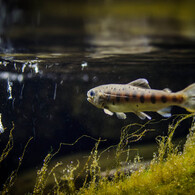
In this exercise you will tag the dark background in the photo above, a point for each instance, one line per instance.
(120, 41)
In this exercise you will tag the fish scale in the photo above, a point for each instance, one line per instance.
(144, 97)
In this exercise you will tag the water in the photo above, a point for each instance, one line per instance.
(49, 60)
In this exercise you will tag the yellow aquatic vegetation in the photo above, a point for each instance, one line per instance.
(165, 144)
(69, 177)
(165, 173)
(66, 182)
(94, 167)
(13, 176)
(129, 136)
(43, 175)
(170, 172)
(8, 146)
(91, 168)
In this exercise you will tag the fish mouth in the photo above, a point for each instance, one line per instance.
(89, 99)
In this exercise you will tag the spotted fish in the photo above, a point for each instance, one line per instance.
(137, 97)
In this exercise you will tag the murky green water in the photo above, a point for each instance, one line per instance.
(51, 54)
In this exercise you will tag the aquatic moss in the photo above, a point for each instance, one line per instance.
(129, 136)
(8, 146)
(13, 176)
(170, 172)
(43, 175)
(64, 183)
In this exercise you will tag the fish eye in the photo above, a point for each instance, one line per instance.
(92, 93)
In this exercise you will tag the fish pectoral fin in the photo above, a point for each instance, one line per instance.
(108, 112)
(121, 115)
(165, 112)
(143, 83)
(143, 115)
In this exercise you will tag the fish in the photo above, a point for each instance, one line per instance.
(138, 97)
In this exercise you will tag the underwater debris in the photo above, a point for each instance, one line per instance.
(35, 67)
(1, 125)
(4, 63)
(32, 64)
(21, 92)
(55, 91)
(83, 65)
(9, 88)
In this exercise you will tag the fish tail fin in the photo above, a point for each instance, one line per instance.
(189, 104)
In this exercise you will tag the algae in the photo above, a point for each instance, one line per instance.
(13, 176)
(8, 146)
(169, 172)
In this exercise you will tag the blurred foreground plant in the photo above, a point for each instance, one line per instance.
(12, 178)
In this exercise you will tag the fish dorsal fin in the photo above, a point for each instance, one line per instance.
(167, 90)
(143, 83)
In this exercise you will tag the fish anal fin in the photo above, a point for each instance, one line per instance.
(143, 83)
(165, 112)
(121, 115)
(108, 112)
(142, 115)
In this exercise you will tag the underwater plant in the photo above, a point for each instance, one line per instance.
(8, 146)
(169, 172)
(43, 174)
(13, 176)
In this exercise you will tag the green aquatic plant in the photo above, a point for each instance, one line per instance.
(8, 146)
(12, 177)
(67, 180)
(165, 143)
(128, 136)
(65, 183)
(93, 167)
(43, 174)
(170, 172)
